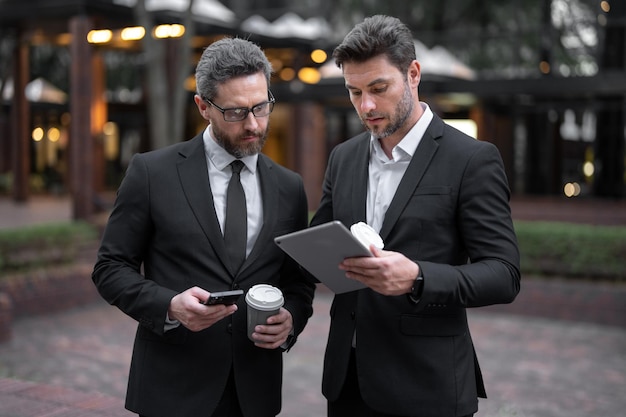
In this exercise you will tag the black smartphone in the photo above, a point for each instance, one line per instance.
(224, 297)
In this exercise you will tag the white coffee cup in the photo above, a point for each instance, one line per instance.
(366, 235)
(263, 301)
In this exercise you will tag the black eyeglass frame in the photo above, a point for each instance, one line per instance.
(245, 111)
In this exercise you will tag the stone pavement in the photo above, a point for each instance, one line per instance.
(75, 363)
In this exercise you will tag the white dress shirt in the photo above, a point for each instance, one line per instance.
(385, 173)
(218, 161)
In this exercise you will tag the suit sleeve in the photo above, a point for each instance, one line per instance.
(484, 223)
(296, 285)
(117, 272)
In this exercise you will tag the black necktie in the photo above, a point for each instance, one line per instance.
(236, 227)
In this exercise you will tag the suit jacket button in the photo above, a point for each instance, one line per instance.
(230, 328)
(353, 315)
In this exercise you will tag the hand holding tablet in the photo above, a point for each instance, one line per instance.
(320, 249)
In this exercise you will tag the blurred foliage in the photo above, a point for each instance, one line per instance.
(572, 250)
(547, 248)
(43, 245)
(507, 38)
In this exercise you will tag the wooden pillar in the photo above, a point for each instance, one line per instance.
(20, 116)
(310, 150)
(81, 143)
(99, 116)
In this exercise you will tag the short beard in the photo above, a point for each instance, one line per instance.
(403, 110)
(239, 151)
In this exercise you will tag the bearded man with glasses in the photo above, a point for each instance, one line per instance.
(174, 237)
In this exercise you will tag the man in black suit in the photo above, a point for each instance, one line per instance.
(164, 251)
(440, 201)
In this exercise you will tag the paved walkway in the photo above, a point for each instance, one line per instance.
(75, 364)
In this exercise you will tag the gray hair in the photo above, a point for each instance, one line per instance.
(378, 35)
(229, 58)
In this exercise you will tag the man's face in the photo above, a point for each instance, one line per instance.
(384, 98)
(245, 137)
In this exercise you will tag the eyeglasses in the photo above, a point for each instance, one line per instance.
(237, 114)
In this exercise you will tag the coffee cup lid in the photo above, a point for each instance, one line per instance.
(264, 297)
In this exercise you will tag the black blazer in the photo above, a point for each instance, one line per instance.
(164, 221)
(451, 215)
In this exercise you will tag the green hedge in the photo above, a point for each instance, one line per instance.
(546, 248)
(41, 245)
(572, 250)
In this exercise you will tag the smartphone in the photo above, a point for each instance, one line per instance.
(224, 297)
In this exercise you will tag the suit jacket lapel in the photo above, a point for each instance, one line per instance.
(194, 179)
(414, 173)
(359, 190)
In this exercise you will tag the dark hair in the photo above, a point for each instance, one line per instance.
(229, 58)
(377, 35)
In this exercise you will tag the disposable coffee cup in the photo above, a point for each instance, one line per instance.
(263, 301)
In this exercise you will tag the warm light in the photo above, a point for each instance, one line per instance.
(319, 56)
(99, 36)
(309, 75)
(466, 126)
(54, 134)
(169, 31)
(111, 140)
(571, 189)
(109, 128)
(277, 64)
(605, 6)
(287, 74)
(37, 134)
(588, 169)
(162, 31)
(133, 33)
(64, 39)
(177, 31)
(190, 83)
(544, 67)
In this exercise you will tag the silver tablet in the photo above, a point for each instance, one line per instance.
(320, 249)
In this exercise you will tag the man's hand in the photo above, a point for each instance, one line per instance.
(388, 273)
(273, 334)
(188, 309)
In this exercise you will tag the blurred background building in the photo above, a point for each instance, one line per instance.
(85, 84)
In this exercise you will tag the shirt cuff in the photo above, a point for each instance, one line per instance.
(169, 323)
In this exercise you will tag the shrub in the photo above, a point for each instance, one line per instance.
(572, 250)
(42, 245)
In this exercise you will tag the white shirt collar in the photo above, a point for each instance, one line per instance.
(220, 158)
(409, 143)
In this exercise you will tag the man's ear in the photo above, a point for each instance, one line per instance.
(414, 73)
(203, 107)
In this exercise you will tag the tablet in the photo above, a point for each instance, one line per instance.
(320, 249)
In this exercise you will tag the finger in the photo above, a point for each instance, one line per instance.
(270, 330)
(283, 316)
(199, 293)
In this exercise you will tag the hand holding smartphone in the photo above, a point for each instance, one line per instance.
(224, 297)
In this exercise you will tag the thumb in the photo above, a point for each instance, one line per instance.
(378, 253)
